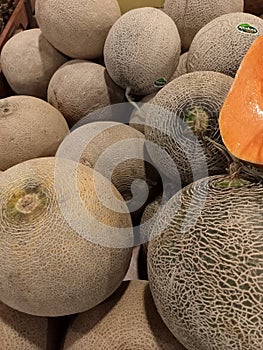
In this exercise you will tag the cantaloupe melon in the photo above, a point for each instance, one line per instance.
(28, 62)
(191, 15)
(79, 87)
(137, 118)
(29, 128)
(221, 44)
(142, 50)
(19, 331)
(63, 250)
(128, 320)
(182, 66)
(77, 28)
(179, 120)
(205, 264)
(117, 152)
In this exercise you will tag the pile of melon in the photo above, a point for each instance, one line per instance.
(131, 177)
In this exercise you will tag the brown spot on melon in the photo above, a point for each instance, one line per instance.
(142, 50)
(220, 46)
(29, 128)
(128, 320)
(28, 62)
(192, 15)
(80, 87)
(77, 28)
(49, 265)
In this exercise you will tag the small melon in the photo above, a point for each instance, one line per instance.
(191, 15)
(128, 320)
(142, 50)
(182, 66)
(65, 241)
(29, 128)
(205, 264)
(222, 44)
(77, 28)
(19, 331)
(137, 118)
(28, 62)
(182, 120)
(80, 87)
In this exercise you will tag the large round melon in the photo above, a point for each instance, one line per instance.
(19, 331)
(29, 128)
(28, 62)
(222, 44)
(128, 320)
(77, 28)
(80, 87)
(182, 120)
(142, 50)
(191, 15)
(65, 243)
(205, 262)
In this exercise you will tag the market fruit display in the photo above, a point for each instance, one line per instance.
(184, 111)
(222, 43)
(191, 15)
(242, 131)
(21, 331)
(137, 324)
(76, 28)
(80, 87)
(205, 264)
(142, 50)
(29, 128)
(48, 268)
(28, 62)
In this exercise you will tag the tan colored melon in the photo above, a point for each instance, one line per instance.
(28, 62)
(182, 66)
(183, 121)
(80, 87)
(128, 320)
(77, 28)
(205, 264)
(192, 15)
(65, 244)
(29, 128)
(19, 331)
(142, 50)
(220, 46)
(137, 118)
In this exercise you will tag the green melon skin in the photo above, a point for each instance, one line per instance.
(179, 119)
(206, 275)
(128, 320)
(219, 46)
(142, 50)
(192, 15)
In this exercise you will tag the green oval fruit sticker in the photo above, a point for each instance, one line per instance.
(160, 82)
(247, 28)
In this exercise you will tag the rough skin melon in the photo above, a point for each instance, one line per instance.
(28, 62)
(77, 28)
(183, 121)
(192, 15)
(29, 128)
(222, 44)
(63, 250)
(19, 331)
(209, 270)
(80, 87)
(142, 50)
(128, 320)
